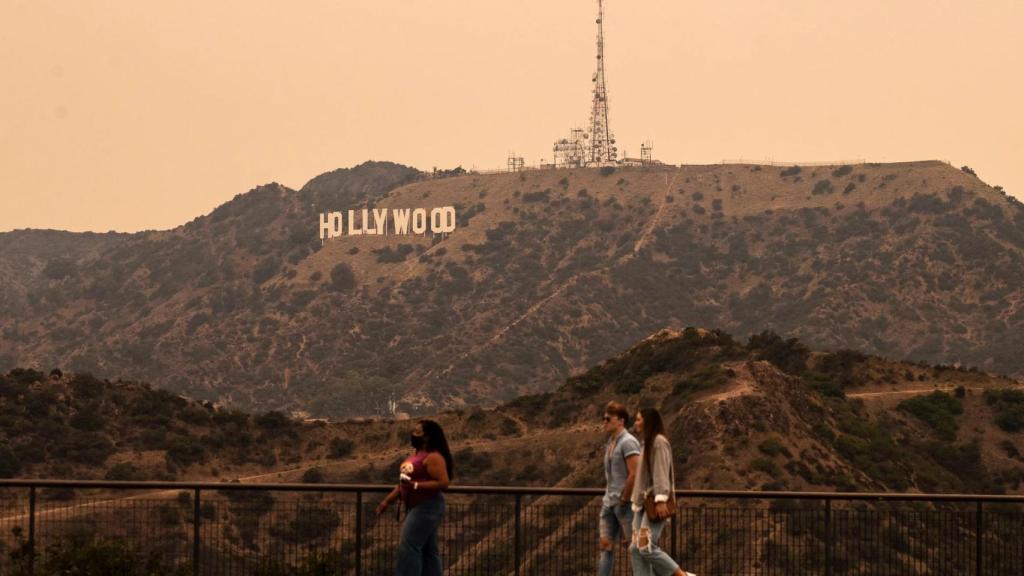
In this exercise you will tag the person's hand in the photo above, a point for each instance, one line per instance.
(661, 511)
(383, 506)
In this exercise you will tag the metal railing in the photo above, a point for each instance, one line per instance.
(209, 528)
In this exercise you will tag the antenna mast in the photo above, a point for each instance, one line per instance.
(602, 141)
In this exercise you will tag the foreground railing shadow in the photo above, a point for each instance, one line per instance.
(207, 528)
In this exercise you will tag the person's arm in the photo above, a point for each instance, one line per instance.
(438, 470)
(637, 496)
(627, 488)
(662, 464)
(391, 497)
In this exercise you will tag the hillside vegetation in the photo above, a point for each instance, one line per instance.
(548, 273)
(765, 414)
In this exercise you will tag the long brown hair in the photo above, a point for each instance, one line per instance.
(437, 442)
(652, 427)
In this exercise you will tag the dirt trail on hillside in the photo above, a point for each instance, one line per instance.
(648, 230)
(910, 391)
(656, 219)
(102, 505)
(741, 385)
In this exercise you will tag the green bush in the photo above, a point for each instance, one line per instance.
(309, 524)
(472, 464)
(539, 196)
(313, 476)
(938, 410)
(123, 471)
(767, 466)
(387, 255)
(329, 563)
(10, 465)
(87, 418)
(703, 378)
(790, 355)
(185, 451)
(343, 279)
(273, 420)
(266, 269)
(823, 187)
(1008, 406)
(773, 447)
(85, 448)
(87, 557)
(340, 448)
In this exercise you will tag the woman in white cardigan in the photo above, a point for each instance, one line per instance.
(654, 476)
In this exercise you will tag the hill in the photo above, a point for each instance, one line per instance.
(767, 414)
(548, 273)
(77, 426)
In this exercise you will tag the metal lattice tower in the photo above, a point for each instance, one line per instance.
(602, 149)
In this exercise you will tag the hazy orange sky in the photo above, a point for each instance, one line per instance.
(136, 114)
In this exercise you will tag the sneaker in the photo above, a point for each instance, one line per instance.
(688, 573)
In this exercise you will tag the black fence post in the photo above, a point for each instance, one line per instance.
(674, 546)
(359, 532)
(31, 530)
(978, 532)
(195, 533)
(828, 537)
(518, 545)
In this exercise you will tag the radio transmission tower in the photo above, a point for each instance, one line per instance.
(602, 141)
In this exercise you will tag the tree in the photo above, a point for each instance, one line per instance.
(273, 420)
(790, 355)
(343, 279)
(341, 448)
(10, 466)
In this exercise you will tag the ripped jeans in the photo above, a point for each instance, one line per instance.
(645, 555)
(615, 520)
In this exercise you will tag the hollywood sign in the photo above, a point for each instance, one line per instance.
(384, 221)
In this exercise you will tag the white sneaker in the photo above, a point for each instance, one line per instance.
(689, 573)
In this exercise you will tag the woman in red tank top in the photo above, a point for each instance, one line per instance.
(423, 477)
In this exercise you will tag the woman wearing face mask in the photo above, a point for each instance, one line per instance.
(423, 477)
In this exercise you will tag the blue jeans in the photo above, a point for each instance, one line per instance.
(616, 520)
(650, 559)
(417, 551)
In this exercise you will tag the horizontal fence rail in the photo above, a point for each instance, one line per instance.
(221, 528)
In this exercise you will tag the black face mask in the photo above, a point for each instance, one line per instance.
(418, 442)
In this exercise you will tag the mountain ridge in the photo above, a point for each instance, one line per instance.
(548, 272)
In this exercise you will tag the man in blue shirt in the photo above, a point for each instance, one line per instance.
(620, 460)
